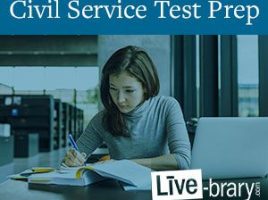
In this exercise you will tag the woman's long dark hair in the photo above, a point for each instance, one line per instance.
(138, 64)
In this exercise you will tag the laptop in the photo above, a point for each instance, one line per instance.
(231, 147)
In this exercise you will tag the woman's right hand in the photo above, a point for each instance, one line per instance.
(73, 158)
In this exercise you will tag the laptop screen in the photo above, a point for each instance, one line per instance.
(229, 147)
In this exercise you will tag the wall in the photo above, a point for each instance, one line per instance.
(158, 48)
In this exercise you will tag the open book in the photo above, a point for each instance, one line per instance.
(131, 175)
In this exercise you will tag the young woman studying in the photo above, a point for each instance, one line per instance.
(136, 123)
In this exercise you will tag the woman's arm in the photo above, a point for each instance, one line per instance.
(87, 143)
(178, 139)
(178, 142)
(165, 162)
(91, 139)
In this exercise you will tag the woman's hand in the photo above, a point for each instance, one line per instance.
(73, 158)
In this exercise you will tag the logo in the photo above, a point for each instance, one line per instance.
(187, 184)
(173, 185)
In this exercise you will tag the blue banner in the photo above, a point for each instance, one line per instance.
(67, 17)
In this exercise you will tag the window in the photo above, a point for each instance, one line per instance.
(75, 85)
(197, 75)
(248, 82)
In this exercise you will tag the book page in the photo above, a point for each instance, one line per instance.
(65, 177)
(125, 171)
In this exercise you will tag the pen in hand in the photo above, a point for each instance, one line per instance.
(73, 143)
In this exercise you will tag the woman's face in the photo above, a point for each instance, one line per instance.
(126, 91)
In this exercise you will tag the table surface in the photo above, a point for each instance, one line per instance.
(104, 190)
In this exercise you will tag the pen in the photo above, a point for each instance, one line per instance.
(73, 143)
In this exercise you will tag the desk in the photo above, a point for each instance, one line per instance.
(13, 190)
(105, 190)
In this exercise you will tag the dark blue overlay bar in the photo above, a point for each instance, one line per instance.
(67, 17)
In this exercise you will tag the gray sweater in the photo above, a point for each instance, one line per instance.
(157, 128)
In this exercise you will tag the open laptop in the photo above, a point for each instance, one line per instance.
(229, 147)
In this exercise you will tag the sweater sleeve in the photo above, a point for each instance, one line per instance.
(178, 139)
(90, 139)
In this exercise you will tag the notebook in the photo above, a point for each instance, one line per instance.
(226, 147)
(131, 175)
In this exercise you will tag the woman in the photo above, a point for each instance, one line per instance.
(136, 124)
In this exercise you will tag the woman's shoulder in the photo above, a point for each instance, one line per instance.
(97, 122)
(166, 105)
(165, 100)
(98, 117)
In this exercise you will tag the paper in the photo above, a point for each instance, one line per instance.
(131, 175)
(65, 177)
